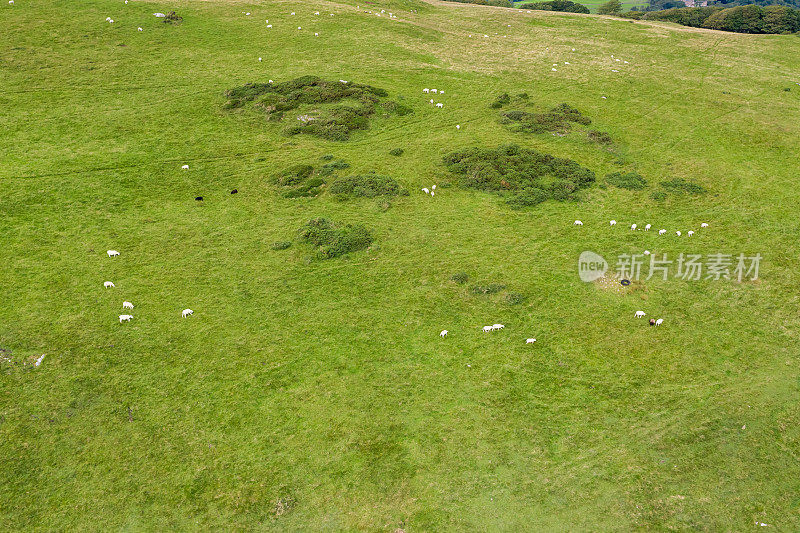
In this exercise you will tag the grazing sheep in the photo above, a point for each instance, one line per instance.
(112, 253)
(652, 321)
(426, 190)
(530, 341)
(498, 326)
(11, 2)
(269, 25)
(316, 34)
(299, 27)
(431, 100)
(185, 167)
(426, 90)
(433, 187)
(271, 81)
(140, 29)
(39, 360)
(259, 60)
(434, 91)
(633, 226)
(659, 321)
(486, 329)
(613, 223)
(108, 285)
(703, 225)
(662, 232)
(439, 105)
(647, 252)
(690, 233)
(640, 314)
(443, 333)
(160, 15)
(127, 305)
(125, 318)
(647, 227)
(458, 126)
(235, 191)
(577, 223)
(678, 233)
(433, 193)
(441, 92)
(186, 312)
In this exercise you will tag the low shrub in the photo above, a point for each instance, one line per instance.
(627, 180)
(524, 176)
(600, 137)
(310, 188)
(515, 298)
(658, 196)
(329, 168)
(281, 245)
(366, 186)
(682, 186)
(496, 3)
(556, 5)
(334, 123)
(172, 18)
(397, 152)
(558, 119)
(330, 239)
(500, 101)
(460, 277)
(492, 288)
(294, 175)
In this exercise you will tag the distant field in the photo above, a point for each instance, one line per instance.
(310, 394)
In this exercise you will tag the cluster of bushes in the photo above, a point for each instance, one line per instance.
(556, 5)
(303, 181)
(366, 186)
(627, 180)
(172, 18)
(275, 99)
(558, 119)
(511, 298)
(497, 3)
(330, 239)
(739, 19)
(525, 177)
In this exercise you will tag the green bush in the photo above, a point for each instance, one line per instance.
(515, 298)
(294, 175)
(600, 137)
(329, 168)
(612, 7)
(330, 239)
(397, 152)
(525, 176)
(627, 180)
(460, 277)
(496, 3)
(366, 186)
(335, 123)
(558, 119)
(556, 5)
(492, 288)
(682, 186)
(658, 196)
(281, 245)
(741, 19)
(500, 101)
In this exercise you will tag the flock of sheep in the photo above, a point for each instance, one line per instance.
(487, 329)
(647, 227)
(128, 305)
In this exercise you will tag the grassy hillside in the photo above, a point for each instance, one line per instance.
(306, 394)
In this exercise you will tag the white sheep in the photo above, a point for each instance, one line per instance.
(498, 326)
(112, 253)
(633, 226)
(659, 321)
(530, 341)
(11, 2)
(431, 100)
(443, 333)
(299, 27)
(41, 357)
(662, 232)
(269, 25)
(186, 312)
(316, 12)
(458, 126)
(678, 233)
(426, 190)
(127, 305)
(434, 91)
(690, 233)
(140, 29)
(703, 225)
(185, 167)
(577, 223)
(647, 252)
(108, 285)
(259, 60)
(441, 91)
(486, 329)
(433, 187)
(426, 90)
(125, 318)
(647, 227)
(433, 193)
(440, 105)
(640, 314)
(316, 34)
(613, 223)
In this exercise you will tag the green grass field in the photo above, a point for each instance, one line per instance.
(594, 4)
(316, 394)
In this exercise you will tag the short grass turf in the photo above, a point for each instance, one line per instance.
(307, 395)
